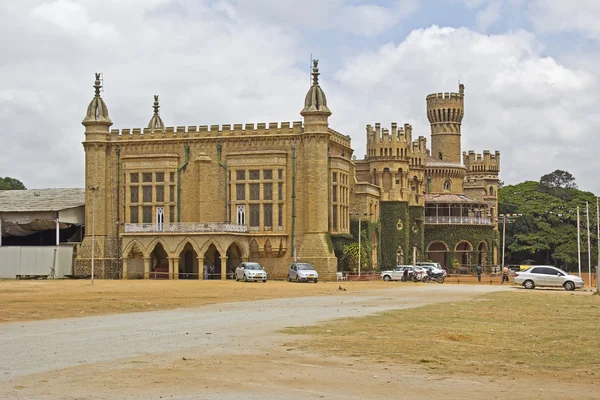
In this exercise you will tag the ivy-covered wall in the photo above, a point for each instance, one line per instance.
(401, 226)
(340, 240)
(451, 235)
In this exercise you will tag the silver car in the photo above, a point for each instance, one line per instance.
(394, 274)
(546, 275)
(250, 271)
(302, 272)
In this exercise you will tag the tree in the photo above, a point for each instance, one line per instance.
(559, 179)
(350, 255)
(9, 183)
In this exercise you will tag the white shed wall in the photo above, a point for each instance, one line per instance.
(28, 260)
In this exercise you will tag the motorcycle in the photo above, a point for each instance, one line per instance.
(430, 276)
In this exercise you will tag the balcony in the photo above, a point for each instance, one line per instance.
(185, 227)
(458, 220)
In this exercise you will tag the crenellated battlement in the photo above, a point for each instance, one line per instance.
(207, 131)
(446, 107)
(482, 162)
(395, 134)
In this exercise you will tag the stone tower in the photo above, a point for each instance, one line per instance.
(481, 182)
(100, 192)
(445, 112)
(313, 175)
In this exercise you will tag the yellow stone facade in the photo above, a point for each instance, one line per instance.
(181, 202)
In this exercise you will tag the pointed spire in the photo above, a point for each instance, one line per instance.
(315, 100)
(156, 122)
(97, 112)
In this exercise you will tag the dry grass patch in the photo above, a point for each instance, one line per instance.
(551, 333)
(39, 300)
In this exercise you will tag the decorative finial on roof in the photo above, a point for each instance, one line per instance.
(156, 122)
(156, 105)
(315, 72)
(97, 112)
(97, 84)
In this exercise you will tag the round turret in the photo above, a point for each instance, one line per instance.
(445, 112)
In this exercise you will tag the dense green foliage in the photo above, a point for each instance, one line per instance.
(9, 183)
(542, 227)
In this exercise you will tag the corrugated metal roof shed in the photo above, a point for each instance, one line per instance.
(447, 198)
(33, 200)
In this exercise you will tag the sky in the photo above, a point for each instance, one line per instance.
(529, 68)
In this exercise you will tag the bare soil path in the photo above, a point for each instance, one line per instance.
(233, 351)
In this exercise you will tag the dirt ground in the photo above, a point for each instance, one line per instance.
(227, 351)
(39, 300)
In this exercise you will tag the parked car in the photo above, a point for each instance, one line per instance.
(434, 267)
(396, 273)
(546, 275)
(250, 271)
(302, 272)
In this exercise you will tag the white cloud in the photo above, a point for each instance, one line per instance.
(531, 108)
(320, 15)
(551, 16)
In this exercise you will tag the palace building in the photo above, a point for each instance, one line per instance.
(163, 202)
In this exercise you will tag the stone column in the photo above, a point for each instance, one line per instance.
(223, 268)
(171, 267)
(125, 268)
(176, 268)
(147, 261)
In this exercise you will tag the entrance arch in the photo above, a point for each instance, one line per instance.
(135, 262)
(482, 254)
(188, 263)
(212, 261)
(463, 253)
(159, 263)
(234, 258)
(438, 252)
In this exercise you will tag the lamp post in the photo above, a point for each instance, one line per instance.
(504, 216)
(359, 238)
(94, 189)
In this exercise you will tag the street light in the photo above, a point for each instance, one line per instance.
(94, 189)
(504, 216)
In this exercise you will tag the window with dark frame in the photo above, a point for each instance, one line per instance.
(160, 177)
(134, 194)
(147, 214)
(240, 175)
(240, 191)
(267, 191)
(133, 215)
(254, 191)
(134, 177)
(147, 194)
(254, 174)
(147, 177)
(160, 194)
(268, 214)
(254, 215)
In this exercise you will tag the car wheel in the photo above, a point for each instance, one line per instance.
(289, 278)
(316, 280)
(569, 285)
(297, 279)
(387, 278)
(528, 284)
(245, 278)
(264, 280)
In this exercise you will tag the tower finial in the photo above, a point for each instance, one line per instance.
(156, 105)
(97, 84)
(315, 72)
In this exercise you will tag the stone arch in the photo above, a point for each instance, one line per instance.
(207, 244)
(386, 180)
(211, 255)
(253, 249)
(482, 250)
(491, 191)
(189, 264)
(440, 155)
(184, 243)
(463, 251)
(134, 257)
(159, 260)
(447, 185)
(130, 246)
(235, 255)
(438, 252)
(153, 244)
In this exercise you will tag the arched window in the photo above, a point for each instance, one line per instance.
(491, 191)
(440, 155)
(447, 184)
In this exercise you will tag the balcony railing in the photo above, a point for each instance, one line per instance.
(185, 227)
(458, 220)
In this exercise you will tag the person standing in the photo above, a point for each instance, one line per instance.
(479, 270)
(205, 272)
(505, 274)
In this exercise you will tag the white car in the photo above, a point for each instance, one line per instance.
(546, 275)
(397, 273)
(302, 272)
(250, 271)
(436, 268)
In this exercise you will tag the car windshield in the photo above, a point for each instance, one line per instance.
(253, 266)
(304, 267)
